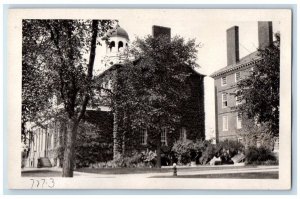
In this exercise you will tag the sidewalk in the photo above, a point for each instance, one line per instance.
(186, 172)
(259, 169)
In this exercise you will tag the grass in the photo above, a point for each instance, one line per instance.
(41, 173)
(153, 170)
(181, 170)
(253, 175)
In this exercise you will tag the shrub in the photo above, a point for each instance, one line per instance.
(149, 158)
(208, 153)
(232, 147)
(135, 159)
(260, 155)
(200, 151)
(127, 161)
(182, 151)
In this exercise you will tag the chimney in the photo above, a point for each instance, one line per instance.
(233, 45)
(265, 34)
(161, 31)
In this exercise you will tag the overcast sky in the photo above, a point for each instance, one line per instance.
(208, 31)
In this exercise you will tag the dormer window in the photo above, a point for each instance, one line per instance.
(223, 81)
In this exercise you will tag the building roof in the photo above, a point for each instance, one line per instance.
(116, 66)
(245, 61)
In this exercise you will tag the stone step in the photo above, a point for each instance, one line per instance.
(44, 162)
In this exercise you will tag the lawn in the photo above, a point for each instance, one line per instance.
(167, 171)
(252, 175)
(154, 170)
(41, 173)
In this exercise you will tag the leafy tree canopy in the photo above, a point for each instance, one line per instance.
(260, 91)
(60, 54)
(152, 88)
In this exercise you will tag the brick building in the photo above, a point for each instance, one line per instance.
(47, 140)
(193, 121)
(228, 122)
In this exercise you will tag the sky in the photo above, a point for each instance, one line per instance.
(208, 30)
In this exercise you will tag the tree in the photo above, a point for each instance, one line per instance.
(58, 50)
(36, 90)
(260, 91)
(150, 91)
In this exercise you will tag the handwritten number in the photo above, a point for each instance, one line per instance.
(52, 183)
(32, 183)
(43, 182)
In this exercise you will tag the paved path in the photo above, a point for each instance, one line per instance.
(164, 180)
(187, 172)
(212, 170)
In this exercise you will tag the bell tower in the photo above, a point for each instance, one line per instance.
(116, 46)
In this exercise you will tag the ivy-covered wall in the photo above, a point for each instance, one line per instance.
(95, 139)
(193, 110)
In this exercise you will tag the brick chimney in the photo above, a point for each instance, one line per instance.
(265, 34)
(160, 30)
(233, 45)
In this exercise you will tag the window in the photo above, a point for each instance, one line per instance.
(111, 45)
(224, 100)
(225, 123)
(258, 143)
(276, 144)
(182, 134)
(55, 137)
(256, 121)
(240, 140)
(120, 45)
(35, 142)
(237, 76)
(163, 137)
(238, 122)
(238, 98)
(223, 81)
(143, 138)
(109, 84)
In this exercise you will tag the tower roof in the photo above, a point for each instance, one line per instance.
(118, 31)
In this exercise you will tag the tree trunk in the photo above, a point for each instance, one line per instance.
(69, 153)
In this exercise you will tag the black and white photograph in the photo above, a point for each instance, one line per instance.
(149, 99)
